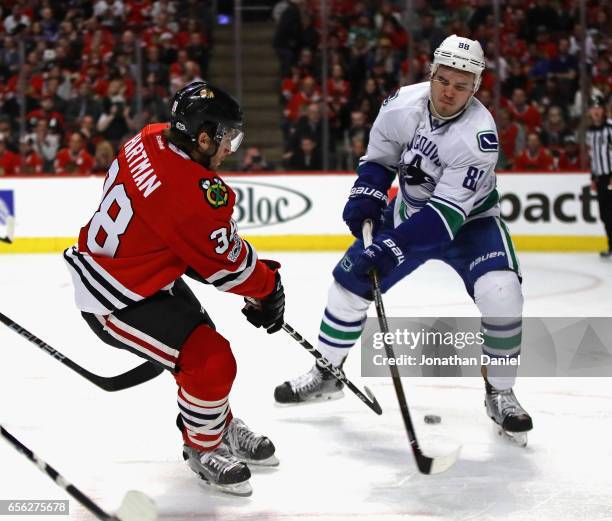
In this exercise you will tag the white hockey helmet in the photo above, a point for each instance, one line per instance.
(460, 53)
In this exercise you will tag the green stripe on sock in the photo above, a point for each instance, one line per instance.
(340, 335)
(503, 343)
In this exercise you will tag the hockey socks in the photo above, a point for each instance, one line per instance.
(342, 323)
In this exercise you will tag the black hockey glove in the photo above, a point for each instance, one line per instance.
(269, 311)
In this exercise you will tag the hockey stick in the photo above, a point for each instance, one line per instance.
(140, 374)
(135, 506)
(426, 464)
(338, 374)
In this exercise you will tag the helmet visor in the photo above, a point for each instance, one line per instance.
(232, 137)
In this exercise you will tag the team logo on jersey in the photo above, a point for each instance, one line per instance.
(215, 192)
(487, 141)
(412, 174)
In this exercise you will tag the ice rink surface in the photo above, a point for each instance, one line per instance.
(339, 461)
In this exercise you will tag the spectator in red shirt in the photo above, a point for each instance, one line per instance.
(569, 161)
(511, 138)
(47, 112)
(339, 92)
(308, 93)
(30, 162)
(137, 12)
(528, 115)
(535, 157)
(9, 161)
(290, 84)
(74, 159)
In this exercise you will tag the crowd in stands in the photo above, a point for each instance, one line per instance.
(540, 43)
(69, 74)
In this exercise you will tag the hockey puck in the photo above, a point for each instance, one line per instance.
(432, 418)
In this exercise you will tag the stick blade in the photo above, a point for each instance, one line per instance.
(137, 506)
(375, 405)
(438, 464)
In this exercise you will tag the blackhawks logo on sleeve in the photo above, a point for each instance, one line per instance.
(215, 192)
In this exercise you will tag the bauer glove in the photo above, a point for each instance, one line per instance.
(383, 255)
(365, 202)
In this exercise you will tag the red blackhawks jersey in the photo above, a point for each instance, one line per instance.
(160, 213)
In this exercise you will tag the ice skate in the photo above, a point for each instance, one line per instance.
(249, 447)
(315, 386)
(511, 420)
(219, 469)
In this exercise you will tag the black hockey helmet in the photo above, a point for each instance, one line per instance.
(201, 106)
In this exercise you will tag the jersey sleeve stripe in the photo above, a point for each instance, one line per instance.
(99, 297)
(230, 281)
(455, 206)
(225, 273)
(238, 280)
(93, 275)
(451, 218)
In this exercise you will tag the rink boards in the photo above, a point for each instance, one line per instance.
(302, 211)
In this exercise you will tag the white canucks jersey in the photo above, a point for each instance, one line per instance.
(448, 165)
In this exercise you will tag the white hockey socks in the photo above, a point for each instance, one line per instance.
(342, 323)
(499, 297)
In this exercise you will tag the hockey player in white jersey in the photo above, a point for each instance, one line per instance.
(442, 143)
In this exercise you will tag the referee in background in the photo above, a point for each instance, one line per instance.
(599, 143)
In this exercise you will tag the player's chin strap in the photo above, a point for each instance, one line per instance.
(435, 114)
(432, 107)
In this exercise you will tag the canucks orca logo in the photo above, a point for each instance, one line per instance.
(487, 141)
(215, 192)
(413, 175)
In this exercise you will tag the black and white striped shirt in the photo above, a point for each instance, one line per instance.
(599, 141)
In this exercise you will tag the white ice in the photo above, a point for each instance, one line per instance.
(339, 460)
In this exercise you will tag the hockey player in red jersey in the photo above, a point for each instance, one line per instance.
(165, 213)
